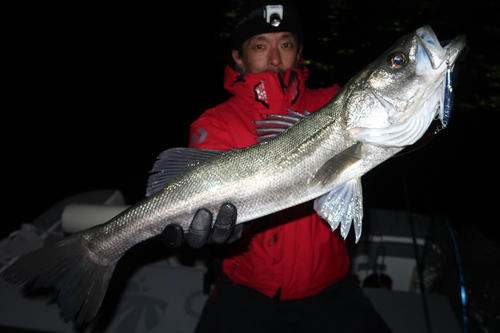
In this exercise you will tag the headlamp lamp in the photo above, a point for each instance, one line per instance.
(273, 14)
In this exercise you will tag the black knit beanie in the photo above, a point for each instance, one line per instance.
(260, 17)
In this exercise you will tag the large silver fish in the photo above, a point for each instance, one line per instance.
(382, 109)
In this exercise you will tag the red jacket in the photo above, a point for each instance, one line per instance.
(294, 250)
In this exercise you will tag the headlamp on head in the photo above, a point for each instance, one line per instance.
(273, 14)
(265, 16)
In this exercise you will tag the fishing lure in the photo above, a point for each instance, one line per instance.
(448, 96)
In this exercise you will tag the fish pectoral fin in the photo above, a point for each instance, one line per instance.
(342, 206)
(338, 164)
(173, 162)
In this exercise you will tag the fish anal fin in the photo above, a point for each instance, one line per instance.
(342, 207)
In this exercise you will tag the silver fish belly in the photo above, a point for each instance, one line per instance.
(382, 109)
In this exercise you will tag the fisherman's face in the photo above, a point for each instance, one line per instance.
(276, 51)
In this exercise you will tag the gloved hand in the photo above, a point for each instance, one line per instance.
(200, 231)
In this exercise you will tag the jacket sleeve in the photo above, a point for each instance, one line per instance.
(210, 131)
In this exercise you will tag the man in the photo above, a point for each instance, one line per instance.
(289, 272)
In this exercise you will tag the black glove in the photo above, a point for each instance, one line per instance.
(200, 231)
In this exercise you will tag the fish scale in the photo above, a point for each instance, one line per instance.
(294, 156)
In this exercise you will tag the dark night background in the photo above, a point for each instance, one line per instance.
(93, 92)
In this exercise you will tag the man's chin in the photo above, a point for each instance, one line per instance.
(276, 70)
(273, 69)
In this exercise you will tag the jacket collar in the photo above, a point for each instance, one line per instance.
(268, 92)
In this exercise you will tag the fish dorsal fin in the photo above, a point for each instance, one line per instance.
(173, 162)
(275, 124)
(338, 164)
(342, 206)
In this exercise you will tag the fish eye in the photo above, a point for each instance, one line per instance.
(397, 60)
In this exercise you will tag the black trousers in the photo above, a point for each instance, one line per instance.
(342, 307)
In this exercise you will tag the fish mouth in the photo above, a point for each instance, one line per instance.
(439, 57)
(439, 53)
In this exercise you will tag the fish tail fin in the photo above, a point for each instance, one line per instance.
(67, 267)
